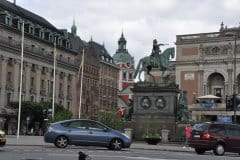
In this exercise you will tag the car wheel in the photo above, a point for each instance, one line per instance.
(61, 142)
(199, 151)
(219, 150)
(116, 144)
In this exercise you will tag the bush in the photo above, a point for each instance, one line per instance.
(111, 119)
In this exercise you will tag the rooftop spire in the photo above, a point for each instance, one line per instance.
(122, 43)
(74, 28)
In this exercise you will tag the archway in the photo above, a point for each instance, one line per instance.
(216, 85)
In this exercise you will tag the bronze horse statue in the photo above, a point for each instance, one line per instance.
(160, 61)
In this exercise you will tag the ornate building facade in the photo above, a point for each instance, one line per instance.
(209, 64)
(99, 71)
(125, 63)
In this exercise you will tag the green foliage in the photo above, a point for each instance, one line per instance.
(35, 111)
(111, 119)
(152, 135)
(61, 115)
(31, 109)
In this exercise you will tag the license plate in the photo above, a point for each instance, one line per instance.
(196, 136)
(2, 140)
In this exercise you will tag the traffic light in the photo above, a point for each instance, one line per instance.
(229, 103)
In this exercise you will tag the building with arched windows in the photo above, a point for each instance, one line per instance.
(43, 43)
(209, 64)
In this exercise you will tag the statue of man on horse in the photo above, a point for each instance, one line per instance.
(155, 60)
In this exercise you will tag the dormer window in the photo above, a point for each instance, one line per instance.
(31, 30)
(215, 50)
(102, 57)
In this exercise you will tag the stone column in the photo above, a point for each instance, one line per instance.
(28, 80)
(73, 93)
(201, 90)
(16, 80)
(56, 86)
(230, 81)
(65, 84)
(38, 83)
(48, 84)
(3, 82)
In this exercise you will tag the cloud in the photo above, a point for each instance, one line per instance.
(140, 20)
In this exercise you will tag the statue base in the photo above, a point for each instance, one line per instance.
(155, 108)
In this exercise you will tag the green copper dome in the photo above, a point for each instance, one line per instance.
(122, 54)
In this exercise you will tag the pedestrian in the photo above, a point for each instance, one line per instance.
(188, 130)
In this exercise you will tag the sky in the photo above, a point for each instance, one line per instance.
(141, 21)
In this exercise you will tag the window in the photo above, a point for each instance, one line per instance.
(217, 129)
(33, 67)
(9, 76)
(10, 61)
(32, 81)
(233, 130)
(124, 76)
(32, 98)
(74, 124)
(8, 98)
(43, 69)
(68, 105)
(42, 84)
(130, 76)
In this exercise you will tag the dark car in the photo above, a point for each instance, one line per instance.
(85, 132)
(219, 137)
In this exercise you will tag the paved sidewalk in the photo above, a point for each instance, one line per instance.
(38, 141)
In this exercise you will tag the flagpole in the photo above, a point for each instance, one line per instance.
(54, 76)
(80, 95)
(20, 90)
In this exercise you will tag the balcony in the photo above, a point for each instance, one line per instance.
(61, 95)
(9, 86)
(32, 90)
(43, 92)
(69, 97)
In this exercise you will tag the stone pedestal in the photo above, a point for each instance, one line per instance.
(155, 108)
(128, 131)
(164, 133)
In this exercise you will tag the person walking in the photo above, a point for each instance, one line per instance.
(188, 130)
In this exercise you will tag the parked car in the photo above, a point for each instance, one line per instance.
(85, 132)
(2, 138)
(219, 137)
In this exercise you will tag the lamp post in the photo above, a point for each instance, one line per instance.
(235, 35)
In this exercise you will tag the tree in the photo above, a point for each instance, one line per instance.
(40, 111)
(111, 119)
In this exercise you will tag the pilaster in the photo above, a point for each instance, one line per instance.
(65, 84)
(38, 83)
(28, 79)
(3, 82)
(16, 78)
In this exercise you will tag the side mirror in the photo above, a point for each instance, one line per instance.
(105, 129)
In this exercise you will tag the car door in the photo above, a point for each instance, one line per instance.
(98, 134)
(233, 138)
(77, 132)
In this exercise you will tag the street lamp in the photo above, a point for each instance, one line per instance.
(235, 35)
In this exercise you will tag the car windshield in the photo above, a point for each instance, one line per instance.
(200, 127)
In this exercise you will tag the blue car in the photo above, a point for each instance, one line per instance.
(85, 132)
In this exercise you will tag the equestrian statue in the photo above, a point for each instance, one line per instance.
(155, 60)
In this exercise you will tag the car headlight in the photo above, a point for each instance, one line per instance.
(50, 128)
(126, 135)
(2, 134)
